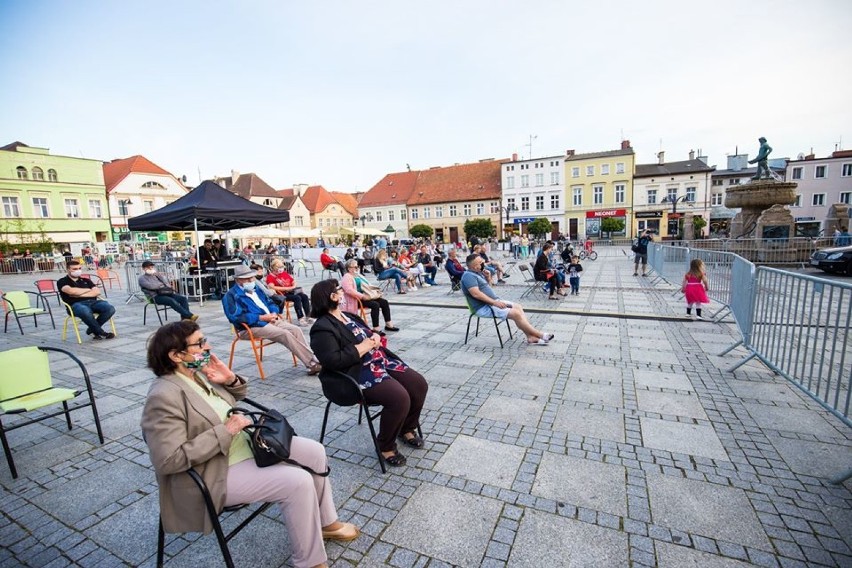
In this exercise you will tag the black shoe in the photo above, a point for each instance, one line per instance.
(108, 335)
(96, 337)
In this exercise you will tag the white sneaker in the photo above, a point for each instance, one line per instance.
(427, 285)
(412, 287)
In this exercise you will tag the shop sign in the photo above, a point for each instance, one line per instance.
(804, 219)
(523, 220)
(606, 213)
(675, 215)
(648, 214)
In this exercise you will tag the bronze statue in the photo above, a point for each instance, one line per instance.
(761, 159)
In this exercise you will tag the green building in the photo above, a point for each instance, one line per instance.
(47, 198)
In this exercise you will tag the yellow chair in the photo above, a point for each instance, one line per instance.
(22, 392)
(17, 303)
(70, 316)
(257, 345)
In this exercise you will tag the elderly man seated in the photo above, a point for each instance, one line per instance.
(454, 268)
(243, 304)
(477, 290)
(157, 288)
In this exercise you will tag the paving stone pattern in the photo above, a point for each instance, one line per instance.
(623, 443)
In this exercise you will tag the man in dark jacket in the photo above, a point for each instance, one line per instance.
(641, 253)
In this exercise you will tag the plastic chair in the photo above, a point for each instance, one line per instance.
(17, 303)
(305, 264)
(493, 316)
(48, 288)
(73, 319)
(257, 345)
(22, 392)
(158, 309)
(108, 276)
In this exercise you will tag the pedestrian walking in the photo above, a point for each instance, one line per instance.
(695, 287)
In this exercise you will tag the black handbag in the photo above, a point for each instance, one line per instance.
(270, 436)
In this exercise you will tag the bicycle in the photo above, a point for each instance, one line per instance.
(591, 255)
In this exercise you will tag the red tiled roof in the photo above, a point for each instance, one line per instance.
(347, 200)
(464, 182)
(117, 170)
(393, 189)
(286, 192)
(316, 198)
(250, 185)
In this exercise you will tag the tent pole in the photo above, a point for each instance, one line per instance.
(200, 284)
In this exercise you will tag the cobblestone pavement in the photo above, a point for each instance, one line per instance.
(623, 443)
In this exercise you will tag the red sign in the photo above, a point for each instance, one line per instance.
(606, 213)
(675, 215)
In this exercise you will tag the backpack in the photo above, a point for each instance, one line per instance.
(635, 246)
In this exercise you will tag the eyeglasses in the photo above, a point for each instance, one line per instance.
(200, 344)
(338, 289)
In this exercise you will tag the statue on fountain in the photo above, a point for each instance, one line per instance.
(762, 160)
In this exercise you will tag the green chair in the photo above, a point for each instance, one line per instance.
(158, 308)
(26, 385)
(17, 303)
(493, 317)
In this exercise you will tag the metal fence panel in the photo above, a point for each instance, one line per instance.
(174, 270)
(669, 263)
(719, 266)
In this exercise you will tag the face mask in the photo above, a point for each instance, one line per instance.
(279, 271)
(201, 359)
(248, 286)
(259, 276)
(76, 273)
(150, 271)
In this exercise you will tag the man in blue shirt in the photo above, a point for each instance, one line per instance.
(475, 284)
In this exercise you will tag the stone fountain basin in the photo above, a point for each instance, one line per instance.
(760, 194)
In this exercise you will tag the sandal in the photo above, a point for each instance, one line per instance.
(391, 328)
(395, 460)
(415, 441)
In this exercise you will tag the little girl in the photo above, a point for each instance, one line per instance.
(695, 287)
(574, 269)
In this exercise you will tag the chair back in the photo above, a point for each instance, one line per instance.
(35, 378)
(103, 274)
(340, 388)
(18, 300)
(46, 286)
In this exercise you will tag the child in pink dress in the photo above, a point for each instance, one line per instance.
(695, 287)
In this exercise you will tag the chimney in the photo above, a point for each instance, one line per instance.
(515, 157)
(234, 175)
(692, 154)
(569, 153)
(661, 157)
(299, 188)
(811, 156)
(625, 144)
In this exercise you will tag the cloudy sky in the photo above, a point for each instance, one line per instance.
(340, 93)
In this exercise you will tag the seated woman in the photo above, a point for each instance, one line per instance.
(344, 343)
(409, 266)
(542, 271)
(281, 282)
(352, 283)
(385, 270)
(330, 263)
(185, 425)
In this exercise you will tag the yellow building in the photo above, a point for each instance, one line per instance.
(598, 185)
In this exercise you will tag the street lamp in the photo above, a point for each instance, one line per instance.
(508, 209)
(122, 210)
(366, 217)
(674, 200)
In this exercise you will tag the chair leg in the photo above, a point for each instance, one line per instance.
(467, 333)
(159, 317)
(324, 421)
(497, 327)
(8, 451)
(161, 544)
(17, 319)
(477, 327)
(145, 314)
(258, 357)
(67, 413)
(375, 441)
(231, 358)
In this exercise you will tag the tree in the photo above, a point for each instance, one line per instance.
(611, 225)
(698, 223)
(421, 231)
(539, 227)
(482, 228)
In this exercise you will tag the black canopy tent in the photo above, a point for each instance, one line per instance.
(208, 207)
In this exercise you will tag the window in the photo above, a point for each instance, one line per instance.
(539, 202)
(38, 173)
(378, 216)
(525, 203)
(590, 170)
(554, 178)
(152, 184)
(300, 220)
(453, 211)
(539, 180)
(510, 203)
(95, 209)
(427, 212)
(797, 172)
(671, 194)
(620, 192)
(148, 205)
(525, 166)
(122, 207)
(51, 175)
(690, 194)
(818, 199)
(578, 195)
(525, 180)
(846, 170)
(575, 171)
(510, 168)
(619, 168)
(495, 207)
(597, 192)
(510, 182)
(414, 213)
(798, 202)
(554, 202)
(716, 199)
(40, 208)
(652, 196)
(480, 208)
(22, 172)
(846, 197)
(268, 202)
(10, 207)
(604, 169)
(402, 214)
(72, 209)
(819, 172)
(439, 211)
(466, 210)
(734, 181)
(390, 215)
(718, 182)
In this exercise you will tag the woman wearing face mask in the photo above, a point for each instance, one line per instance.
(156, 288)
(185, 424)
(282, 282)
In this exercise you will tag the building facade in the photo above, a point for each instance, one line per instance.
(666, 193)
(533, 189)
(598, 185)
(327, 213)
(384, 204)
(822, 183)
(54, 198)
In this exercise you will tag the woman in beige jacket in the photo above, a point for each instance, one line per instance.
(185, 425)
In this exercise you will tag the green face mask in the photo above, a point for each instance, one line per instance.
(201, 359)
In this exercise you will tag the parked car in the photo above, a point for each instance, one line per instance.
(836, 260)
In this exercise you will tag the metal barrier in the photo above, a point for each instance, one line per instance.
(669, 263)
(718, 267)
(174, 270)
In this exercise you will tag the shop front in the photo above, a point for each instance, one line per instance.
(648, 221)
(597, 227)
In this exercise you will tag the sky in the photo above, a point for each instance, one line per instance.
(339, 93)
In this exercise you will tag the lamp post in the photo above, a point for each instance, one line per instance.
(123, 204)
(508, 209)
(368, 217)
(674, 200)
